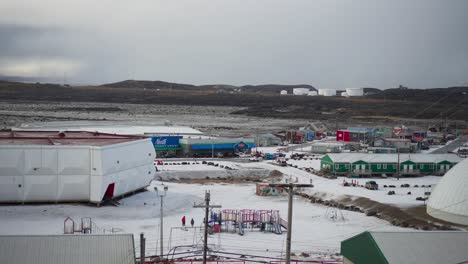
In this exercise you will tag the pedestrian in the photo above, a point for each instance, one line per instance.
(192, 222)
(183, 220)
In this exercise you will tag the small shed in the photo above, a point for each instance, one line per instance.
(71, 249)
(429, 247)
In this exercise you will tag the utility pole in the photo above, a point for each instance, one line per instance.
(212, 148)
(142, 248)
(290, 187)
(161, 217)
(207, 206)
(398, 164)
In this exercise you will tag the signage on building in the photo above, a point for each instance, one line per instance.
(240, 145)
(166, 143)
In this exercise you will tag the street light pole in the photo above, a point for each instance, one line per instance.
(161, 217)
(290, 187)
(161, 226)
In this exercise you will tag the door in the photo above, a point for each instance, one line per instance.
(410, 168)
(405, 168)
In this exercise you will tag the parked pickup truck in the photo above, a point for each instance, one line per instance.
(372, 185)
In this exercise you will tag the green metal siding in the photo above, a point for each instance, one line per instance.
(442, 165)
(341, 167)
(326, 161)
(382, 168)
(426, 167)
(362, 249)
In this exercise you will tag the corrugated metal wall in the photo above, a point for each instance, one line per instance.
(70, 249)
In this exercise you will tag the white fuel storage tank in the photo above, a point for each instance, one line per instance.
(355, 91)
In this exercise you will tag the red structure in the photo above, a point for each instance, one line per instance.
(343, 135)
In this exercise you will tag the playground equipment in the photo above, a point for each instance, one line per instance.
(231, 220)
(72, 227)
(86, 226)
(334, 214)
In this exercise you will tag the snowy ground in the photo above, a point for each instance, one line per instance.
(313, 231)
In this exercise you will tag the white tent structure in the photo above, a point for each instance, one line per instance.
(39, 166)
(312, 93)
(283, 92)
(449, 199)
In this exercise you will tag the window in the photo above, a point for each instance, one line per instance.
(379, 166)
(346, 166)
(421, 166)
(431, 166)
(337, 166)
(385, 166)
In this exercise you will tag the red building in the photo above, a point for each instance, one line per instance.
(343, 135)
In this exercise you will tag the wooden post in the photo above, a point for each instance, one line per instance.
(290, 187)
(142, 248)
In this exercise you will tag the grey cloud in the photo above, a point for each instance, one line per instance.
(331, 44)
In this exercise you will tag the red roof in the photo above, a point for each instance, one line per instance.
(82, 138)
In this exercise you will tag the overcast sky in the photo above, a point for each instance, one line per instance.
(328, 44)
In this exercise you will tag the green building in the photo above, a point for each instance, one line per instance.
(364, 164)
(428, 247)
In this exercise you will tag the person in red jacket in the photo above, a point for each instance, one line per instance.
(183, 221)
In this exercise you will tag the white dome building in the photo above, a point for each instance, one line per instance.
(449, 199)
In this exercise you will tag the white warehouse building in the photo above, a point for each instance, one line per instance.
(51, 166)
